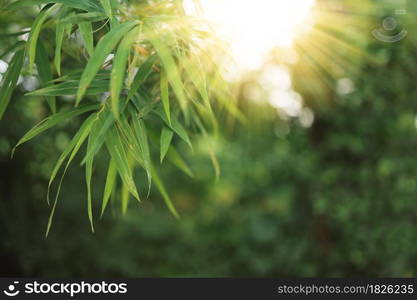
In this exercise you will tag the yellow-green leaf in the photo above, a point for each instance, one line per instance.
(104, 47)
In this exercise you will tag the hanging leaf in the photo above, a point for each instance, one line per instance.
(83, 17)
(55, 119)
(109, 185)
(118, 154)
(75, 145)
(86, 30)
(119, 68)
(166, 138)
(34, 34)
(103, 49)
(165, 96)
(170, 66)
(176, 126)
(10, 80)
(87, 5)
(70, 87)
(44, 72)
(59, 37)
(88, 175)
(142, 140)
(76, 142)
(160, 186)
(144, 71)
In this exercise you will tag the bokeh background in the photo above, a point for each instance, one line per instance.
(327, 189)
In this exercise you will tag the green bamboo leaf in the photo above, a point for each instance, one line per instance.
(69, 88)
(176, 126)
(88, 5)
(119, 68)
(80, 138)
(10, 80)
(44, 71)
(54, 120)
(175, 158)
(124, 196)
(86, 30)
(139, 150)
(105, 122)
(83, 17)
(142, 140)
(59, 37)
(144, 71)
(76, 75)
(160, 186)
(88, 175)
(166, 138)
(118, 154)
(103, 49)
(34, 34)
(165, 95)
(170, 66)
(107, 8)
(68, 26)
(109, 186)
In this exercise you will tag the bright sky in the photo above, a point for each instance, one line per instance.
(254, 27)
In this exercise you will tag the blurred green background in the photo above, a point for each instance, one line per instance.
(333, 198)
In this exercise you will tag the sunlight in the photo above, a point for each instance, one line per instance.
(253, 28)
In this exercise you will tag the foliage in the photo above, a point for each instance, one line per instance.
(334, 199)
(133, 70)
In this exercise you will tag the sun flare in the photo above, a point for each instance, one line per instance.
(253, 28)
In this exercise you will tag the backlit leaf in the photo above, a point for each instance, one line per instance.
(103, 49)
(166, 138)
(119, 68)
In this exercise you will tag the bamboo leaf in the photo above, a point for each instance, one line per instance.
(109, 186)
(119, 68)
(170, 66)
(34, 35)
(69, 88)
(103, 49)
(59, 37)
(79, 138)
(86, 30)
(107, 5)
(176, 126)
(142, 139)
(160, 186)
(124, 196)
(53, 120)
(165, 96)
(88, 5)
(144, 71)
(105, 122)
(107, 8)
(118, 154)
(10, 80)
(44, 71)
(88, 175)
(174, 157)
(83, 17)
(166, 138)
